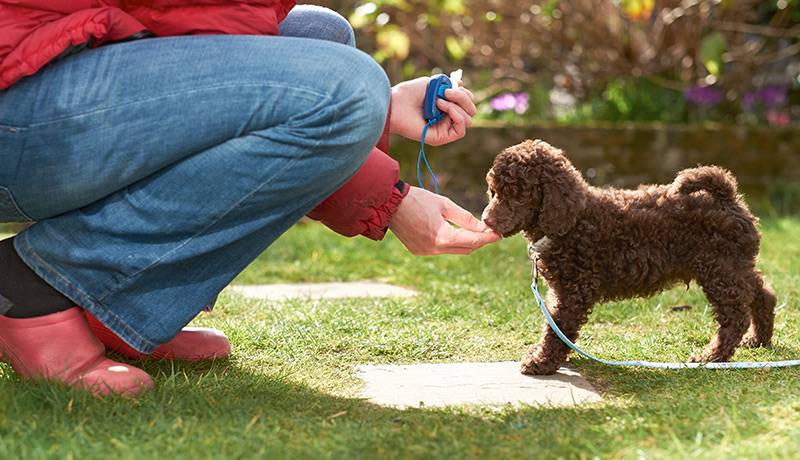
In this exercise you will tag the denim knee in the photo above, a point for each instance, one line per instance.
(311, 21)
(375, 106)
(365, 89)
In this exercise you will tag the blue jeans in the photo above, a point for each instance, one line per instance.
(158, 169)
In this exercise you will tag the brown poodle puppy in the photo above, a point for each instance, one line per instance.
(596, 245)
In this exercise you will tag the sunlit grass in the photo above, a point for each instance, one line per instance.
(290, 389)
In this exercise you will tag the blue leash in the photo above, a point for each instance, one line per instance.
(648, 364)
(422, 157)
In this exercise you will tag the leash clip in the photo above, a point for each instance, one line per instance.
(533, 257)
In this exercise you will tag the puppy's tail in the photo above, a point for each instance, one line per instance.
(718, 182)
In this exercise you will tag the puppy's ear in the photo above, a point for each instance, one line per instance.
(508, 176)
(564, 194)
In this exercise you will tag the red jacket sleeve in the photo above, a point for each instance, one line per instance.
(365, 204)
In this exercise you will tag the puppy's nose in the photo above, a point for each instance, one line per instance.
(489, 222)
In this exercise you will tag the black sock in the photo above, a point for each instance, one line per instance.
(22, 290)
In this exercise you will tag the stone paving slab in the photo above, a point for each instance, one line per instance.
(435, 385)
(359, 289)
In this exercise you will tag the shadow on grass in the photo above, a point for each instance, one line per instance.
(219, 405)
(197, 409)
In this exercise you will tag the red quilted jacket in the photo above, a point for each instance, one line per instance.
(34, 32)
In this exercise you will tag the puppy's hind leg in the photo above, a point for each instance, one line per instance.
(762, 313)
(730, 294)
(569, 313)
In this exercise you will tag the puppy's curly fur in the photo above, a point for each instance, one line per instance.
(601, 244)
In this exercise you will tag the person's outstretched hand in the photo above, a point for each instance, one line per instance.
(407, 120)
(422, 224)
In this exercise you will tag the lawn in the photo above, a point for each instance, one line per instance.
(290, 388)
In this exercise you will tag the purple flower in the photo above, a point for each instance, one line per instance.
(769, 97)
(703, 96)
(517, 102)
(522, 102)
(503, 102)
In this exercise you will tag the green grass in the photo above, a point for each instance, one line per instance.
(290, 388)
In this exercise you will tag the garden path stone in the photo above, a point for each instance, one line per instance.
(358, 289)
(434, 385)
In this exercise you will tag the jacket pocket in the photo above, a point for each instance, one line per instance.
(9, 210)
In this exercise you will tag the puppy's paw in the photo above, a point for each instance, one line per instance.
(534, 365)
(752, 341)
(709, 357)
(697, 359)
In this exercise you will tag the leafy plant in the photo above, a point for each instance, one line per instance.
(596, 51)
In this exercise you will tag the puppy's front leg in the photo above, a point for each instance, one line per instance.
(569, 313)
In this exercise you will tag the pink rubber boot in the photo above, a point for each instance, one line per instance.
(191, 344)
(61, 348)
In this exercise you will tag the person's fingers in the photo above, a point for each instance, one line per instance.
(455, 251)
(451, 128)
(460, 120)
(462, 98)
(470, 93)
(461, 217)
(458, 126)
(462, 87)
(451, 107)
(465, 239)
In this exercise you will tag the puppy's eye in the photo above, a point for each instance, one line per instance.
(492, 193)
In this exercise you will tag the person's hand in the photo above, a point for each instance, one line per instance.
(407, 101)
(422, 224)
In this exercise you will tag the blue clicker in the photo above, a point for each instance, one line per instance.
(436, 87)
